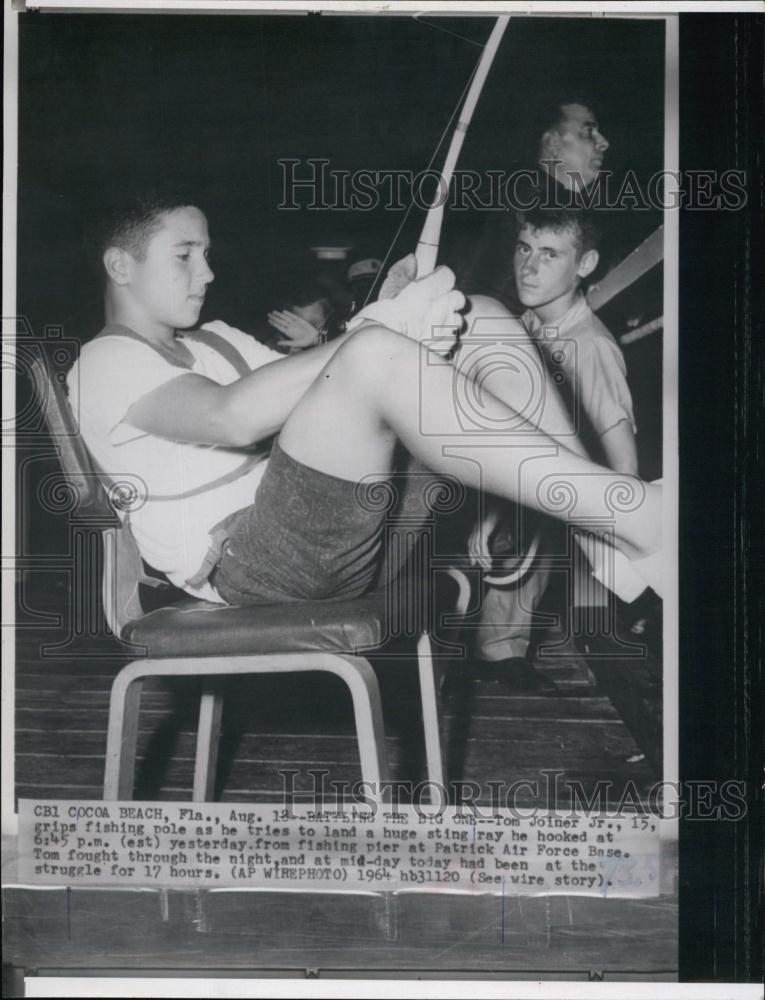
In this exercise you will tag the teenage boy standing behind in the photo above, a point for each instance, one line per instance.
(556, 250)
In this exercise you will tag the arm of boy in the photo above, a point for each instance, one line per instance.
(606, 401)
(197, 410)
(619, 448)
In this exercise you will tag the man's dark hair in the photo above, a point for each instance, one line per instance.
(546, 114)
(130, 224)
(577, 221)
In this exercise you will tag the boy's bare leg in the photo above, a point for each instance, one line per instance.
(498, 354)
(380, 387)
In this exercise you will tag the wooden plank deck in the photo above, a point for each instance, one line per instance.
(304, 723)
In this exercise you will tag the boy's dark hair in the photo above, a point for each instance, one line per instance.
(577, 221)
(130, 224)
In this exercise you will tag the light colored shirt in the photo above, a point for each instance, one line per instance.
(582, 350)
(173, 535)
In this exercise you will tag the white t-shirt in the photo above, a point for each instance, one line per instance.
(112, 373)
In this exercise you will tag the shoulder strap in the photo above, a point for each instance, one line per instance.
(237, 362)
(224, 347)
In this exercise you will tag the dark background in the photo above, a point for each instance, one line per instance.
(215, 101)
(721, 498)
(212, 103)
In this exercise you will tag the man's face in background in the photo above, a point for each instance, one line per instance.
(578, 143)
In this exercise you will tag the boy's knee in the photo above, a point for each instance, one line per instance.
(488, 317)
(369, 353)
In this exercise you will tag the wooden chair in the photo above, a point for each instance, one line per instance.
(197, 638)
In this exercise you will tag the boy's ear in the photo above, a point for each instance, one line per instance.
(117, 265)
(587, 263)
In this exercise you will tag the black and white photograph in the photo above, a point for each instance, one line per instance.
(346, 439)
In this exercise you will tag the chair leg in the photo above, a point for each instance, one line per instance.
(208, 741)
(367, 710)
(122, 735)
(430, 712)
(355, 671)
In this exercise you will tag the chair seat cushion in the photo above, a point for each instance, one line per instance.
(198, 628)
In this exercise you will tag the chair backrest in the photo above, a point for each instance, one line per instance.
(123, 569)
(70, 448)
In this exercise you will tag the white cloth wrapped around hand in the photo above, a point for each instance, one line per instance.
(424, 309)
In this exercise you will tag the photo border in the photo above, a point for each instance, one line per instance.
(673, 527)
